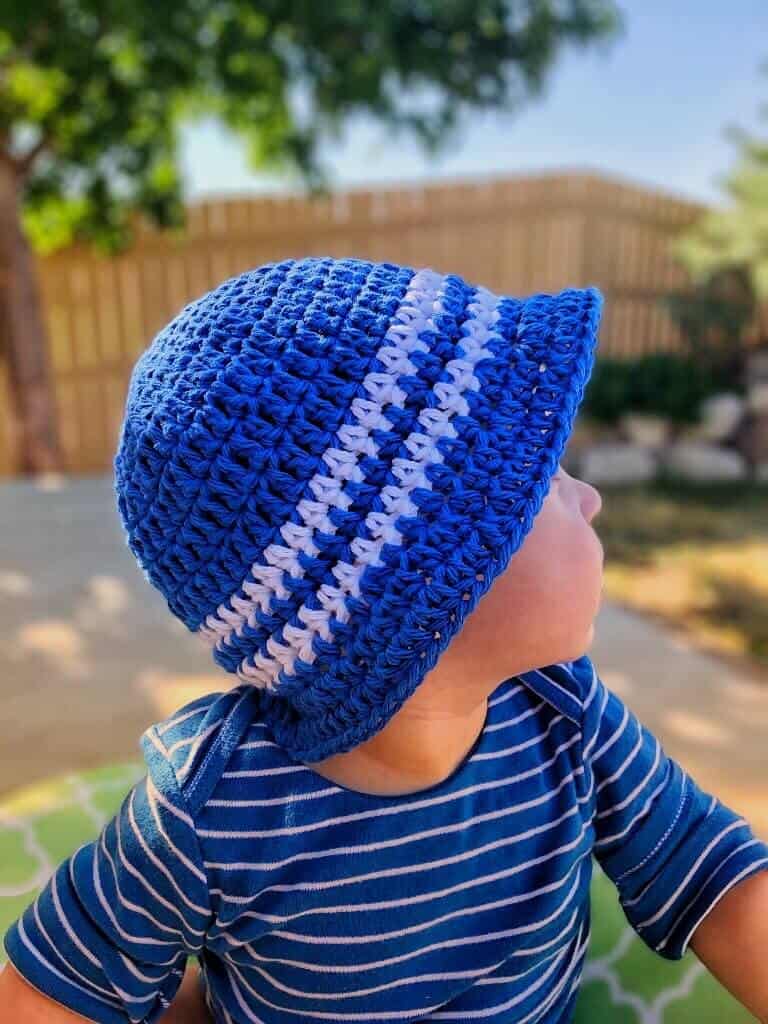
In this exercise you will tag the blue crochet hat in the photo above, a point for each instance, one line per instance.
(325, 463)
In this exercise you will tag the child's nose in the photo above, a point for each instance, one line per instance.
(593, 500)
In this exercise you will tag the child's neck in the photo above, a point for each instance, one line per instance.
(415, 755)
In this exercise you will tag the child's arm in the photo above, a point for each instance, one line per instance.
(188, 1007)
(19, 1001)
(111, 932)
(684, 863)
(732, 941)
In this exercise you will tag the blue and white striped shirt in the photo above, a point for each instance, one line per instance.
(309, 902)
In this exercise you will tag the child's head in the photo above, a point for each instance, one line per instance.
(326, 463)
(540, 610)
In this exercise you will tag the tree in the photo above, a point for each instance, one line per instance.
(92, 93)
(735, 237)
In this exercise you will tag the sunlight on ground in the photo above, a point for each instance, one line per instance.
(37, 798)
(168, 691)
(680, 642)
(696, 729)
(719, 591)
(57, 642)
(697, 558)
(746, 705)
(51, 481)
(13, 584)
(619, 682)
(106, 600)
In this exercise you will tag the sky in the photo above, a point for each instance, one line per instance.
(649, 109)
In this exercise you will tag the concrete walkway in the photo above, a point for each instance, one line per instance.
(93, 656)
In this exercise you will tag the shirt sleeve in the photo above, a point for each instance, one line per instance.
(109, 935)
(671, 849)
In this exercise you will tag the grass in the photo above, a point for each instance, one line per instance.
(694, 555)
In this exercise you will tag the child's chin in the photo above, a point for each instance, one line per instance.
(586, 643)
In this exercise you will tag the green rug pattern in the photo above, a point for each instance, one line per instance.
(624, 982)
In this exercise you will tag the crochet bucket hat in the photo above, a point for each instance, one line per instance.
(325, 463)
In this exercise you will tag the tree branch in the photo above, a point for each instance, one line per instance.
(5, 156)
(24, 164)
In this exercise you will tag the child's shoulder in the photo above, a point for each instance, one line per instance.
(566, 685)
(191, 748)
(196, 741)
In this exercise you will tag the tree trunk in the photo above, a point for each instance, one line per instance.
(23, 340)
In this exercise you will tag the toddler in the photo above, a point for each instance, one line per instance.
(345, 477)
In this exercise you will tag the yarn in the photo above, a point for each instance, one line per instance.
(325, 463)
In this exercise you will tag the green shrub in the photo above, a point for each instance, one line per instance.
(662, 383)
(713, 317)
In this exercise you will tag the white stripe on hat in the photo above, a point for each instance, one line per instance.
(421, 301)
(411, 318)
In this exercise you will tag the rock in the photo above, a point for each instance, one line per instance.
(756, 377)
(585, 434)
(617, 464)
(757, 399)
(644, 429)
(695, 460)
(752, 437)
(756, 370)
(719, 416)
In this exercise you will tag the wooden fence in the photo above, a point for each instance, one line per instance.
(514, 234)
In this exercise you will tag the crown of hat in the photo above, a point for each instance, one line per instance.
(325, 462)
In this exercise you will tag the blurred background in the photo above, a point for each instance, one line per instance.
(149, 151)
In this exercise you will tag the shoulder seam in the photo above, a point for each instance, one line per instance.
(541, 682)
(161, 747)
(226, 741)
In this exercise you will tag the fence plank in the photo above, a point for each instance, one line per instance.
(514, 234)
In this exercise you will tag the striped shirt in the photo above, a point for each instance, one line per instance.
(309, 902)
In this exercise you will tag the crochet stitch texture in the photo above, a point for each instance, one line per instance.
(325, 463)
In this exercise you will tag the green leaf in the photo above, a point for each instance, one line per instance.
(35, 91)
(108, 89)
(52, 223)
